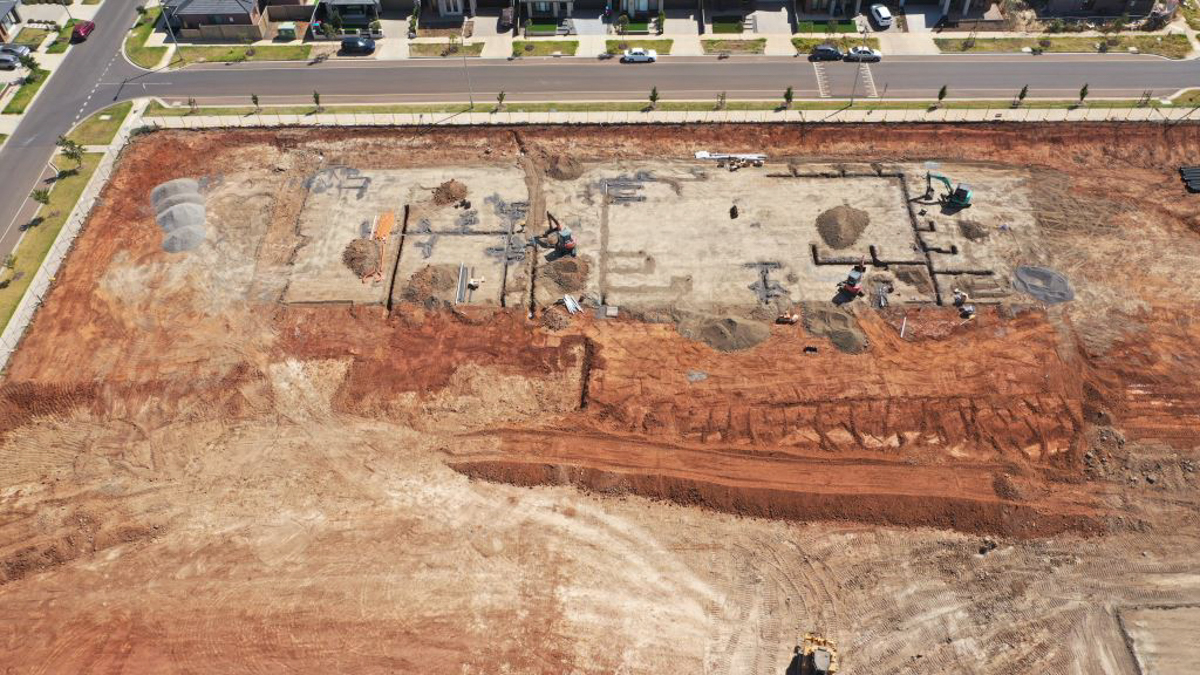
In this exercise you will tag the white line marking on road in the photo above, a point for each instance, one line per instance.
(822, 84)
(868, 80)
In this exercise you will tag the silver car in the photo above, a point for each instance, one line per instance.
(15, 50)
(9, 62)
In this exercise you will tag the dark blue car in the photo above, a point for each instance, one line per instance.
(358, 45)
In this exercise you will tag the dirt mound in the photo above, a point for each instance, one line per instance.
(917, 277)
(841, 225)
(431, 284)
(555, 319)
(362, 257)
(972, 230)
(449, 192)
(838, 326)
(568, 274)
(563, 167)
(726, 334)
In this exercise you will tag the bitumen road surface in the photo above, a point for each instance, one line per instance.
(95, 75)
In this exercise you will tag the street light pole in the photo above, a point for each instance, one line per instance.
(467, 71)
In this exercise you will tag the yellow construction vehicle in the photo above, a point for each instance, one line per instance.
(818, 655)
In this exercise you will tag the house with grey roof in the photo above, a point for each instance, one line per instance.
(9, 18)
(218, 20)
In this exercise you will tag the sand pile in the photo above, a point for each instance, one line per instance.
(841, 225)
(838, 326)
(431, 284)
(362, 257)
(726, 334)
(556, 319)
(563, 167)
(568, 275)
(449, 192)
(917, 277)
(972, 230)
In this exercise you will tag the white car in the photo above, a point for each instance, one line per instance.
(863, 54)
(882, 16)
(639, 55)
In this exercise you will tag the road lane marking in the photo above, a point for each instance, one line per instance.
(822, 84)
(864, 70)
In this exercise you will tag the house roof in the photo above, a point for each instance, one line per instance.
(210, 6)
(7, 6)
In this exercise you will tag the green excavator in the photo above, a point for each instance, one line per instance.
(956, 197)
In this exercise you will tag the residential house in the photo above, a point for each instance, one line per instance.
(225, 20)
(9, 18)
(356, 14)
(1099, 7)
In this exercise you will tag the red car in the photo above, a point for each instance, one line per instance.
(82, 30)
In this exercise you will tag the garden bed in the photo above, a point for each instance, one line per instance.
(443, 49)
(840, 26)
(728, 24)
(544, 47)
(1171, 46)
(757, 46)
(615, 47)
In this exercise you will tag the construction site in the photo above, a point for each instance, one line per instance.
(714, 399)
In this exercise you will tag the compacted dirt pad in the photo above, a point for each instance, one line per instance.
(200, 477)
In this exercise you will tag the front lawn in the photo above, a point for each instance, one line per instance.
(227, 54)
(728, 24)
(663, 47)
(31, 37)
(840, 26)
(1171, 46)
(544, 47)
(636, 27)
(1191, 12)
(135, 42)
(757, 46)
(38, 239)
(21, 100)
(541, 29)
(63, 39)
(97, 131)
(805, 45)
(444, 49)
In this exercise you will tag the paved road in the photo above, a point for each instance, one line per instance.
(71, 93)
(678, 78)
(95, 75)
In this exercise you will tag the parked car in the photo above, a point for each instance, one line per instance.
(639, 55)
(825, 52)
(82, 30)
(863, 54)
(358, 45)
(9, 62)
(882, 16)
(14, 50)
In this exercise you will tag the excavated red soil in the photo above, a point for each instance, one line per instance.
(897, 425)
(201, 478)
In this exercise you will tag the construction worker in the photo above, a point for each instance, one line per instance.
(960, 297)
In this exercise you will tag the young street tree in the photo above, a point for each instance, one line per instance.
(254, 102)
(721, 101)
(40, 196)
(788, 97)
(653, 98)
(1083, 92)
(71, 150)
(317, 100)
(500, 100)
(941, 95)
(1022, 94)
